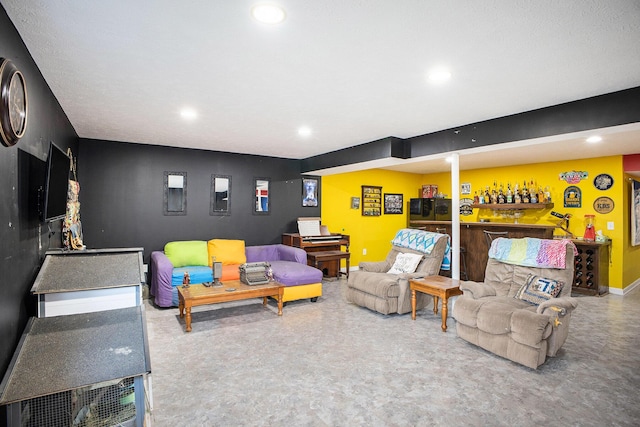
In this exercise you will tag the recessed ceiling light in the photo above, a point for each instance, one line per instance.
(439, 75)
(593, 139)
(304, 131)
(268, 13)
(188, 114)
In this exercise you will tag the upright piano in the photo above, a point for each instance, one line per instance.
(330, 242)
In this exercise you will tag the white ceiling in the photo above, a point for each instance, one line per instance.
(354, 71)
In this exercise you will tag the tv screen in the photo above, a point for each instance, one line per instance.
(57, 184)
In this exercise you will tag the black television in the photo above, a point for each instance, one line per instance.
(57, 184)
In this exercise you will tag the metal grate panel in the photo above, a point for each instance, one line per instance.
(93, 406)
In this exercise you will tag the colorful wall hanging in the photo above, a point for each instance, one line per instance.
(573, 177)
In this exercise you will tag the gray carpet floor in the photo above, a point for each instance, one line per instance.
(331, 363)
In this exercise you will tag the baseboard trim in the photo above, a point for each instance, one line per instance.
(627, 290)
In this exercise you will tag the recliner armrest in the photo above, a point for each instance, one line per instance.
(374, 267)
(562, 306)
(476, 289)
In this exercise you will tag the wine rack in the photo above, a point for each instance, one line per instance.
(591, 273)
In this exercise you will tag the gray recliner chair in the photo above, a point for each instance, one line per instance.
(372, 287)
(524, 324)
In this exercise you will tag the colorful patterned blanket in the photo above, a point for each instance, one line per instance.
(422, 241)
(531, 252)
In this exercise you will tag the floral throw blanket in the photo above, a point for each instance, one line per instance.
(531, 252)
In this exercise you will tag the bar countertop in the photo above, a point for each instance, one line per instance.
(488, 224)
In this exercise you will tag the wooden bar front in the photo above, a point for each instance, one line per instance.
(473, 240)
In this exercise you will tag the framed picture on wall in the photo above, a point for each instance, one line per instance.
(309, 192)
(355, 203)
(371, 200)
(392, 203)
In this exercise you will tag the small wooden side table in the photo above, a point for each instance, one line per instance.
(439, 287)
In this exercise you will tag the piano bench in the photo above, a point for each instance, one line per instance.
(317, 257)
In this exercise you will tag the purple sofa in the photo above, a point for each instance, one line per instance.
(289, 267)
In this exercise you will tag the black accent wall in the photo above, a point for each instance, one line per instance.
(121, 196)
(24, 239)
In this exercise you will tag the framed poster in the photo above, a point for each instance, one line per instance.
(371, 200)
(392, 203)
(309, 192)
(635, 212)
(355, 203)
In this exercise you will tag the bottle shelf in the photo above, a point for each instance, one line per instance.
(512, 206)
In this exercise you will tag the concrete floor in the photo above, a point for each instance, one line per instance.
(331, 363)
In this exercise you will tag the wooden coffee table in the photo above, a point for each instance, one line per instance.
(196, 295)
(439, 287)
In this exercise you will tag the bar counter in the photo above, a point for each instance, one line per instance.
(472, 238)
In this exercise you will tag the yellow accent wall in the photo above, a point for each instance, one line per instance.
(547, 175)
(371, 233)
(374, 233)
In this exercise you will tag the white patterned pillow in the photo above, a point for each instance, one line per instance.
(537, 289)
(405, 263)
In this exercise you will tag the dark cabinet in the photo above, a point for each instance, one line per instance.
(591, 274)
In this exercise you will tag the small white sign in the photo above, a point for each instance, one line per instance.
(465, 188)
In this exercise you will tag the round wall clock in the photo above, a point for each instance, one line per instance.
(13, 103)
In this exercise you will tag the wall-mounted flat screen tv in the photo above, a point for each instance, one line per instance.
(57, 184)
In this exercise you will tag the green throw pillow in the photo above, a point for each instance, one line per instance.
(185, 253)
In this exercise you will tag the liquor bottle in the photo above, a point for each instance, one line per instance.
(534, 196)
(501, 198)
(509, 193)
(541, 198)
(525, 193)
(476, 199)
(516, 195)
(487, 199)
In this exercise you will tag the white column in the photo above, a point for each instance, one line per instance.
(455, 216)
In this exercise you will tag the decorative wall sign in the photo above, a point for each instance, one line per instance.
(393, 203)
(429, 191)
(572, 197)
(604, 181)
(371, 200)
(465, 206)
(603, 205)
(573, 177)
(355, 203)
(465, 188)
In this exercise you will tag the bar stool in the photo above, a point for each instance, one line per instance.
(462, 257)
(490, 235)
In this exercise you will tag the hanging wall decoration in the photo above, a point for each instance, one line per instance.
(572, 197)
(603, 205)
(604, 181)
(309, 192)
(573, 177)
(635, 212)
(393, 203)
(371, 200)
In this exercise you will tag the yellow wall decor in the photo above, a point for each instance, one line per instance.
(374, 234)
